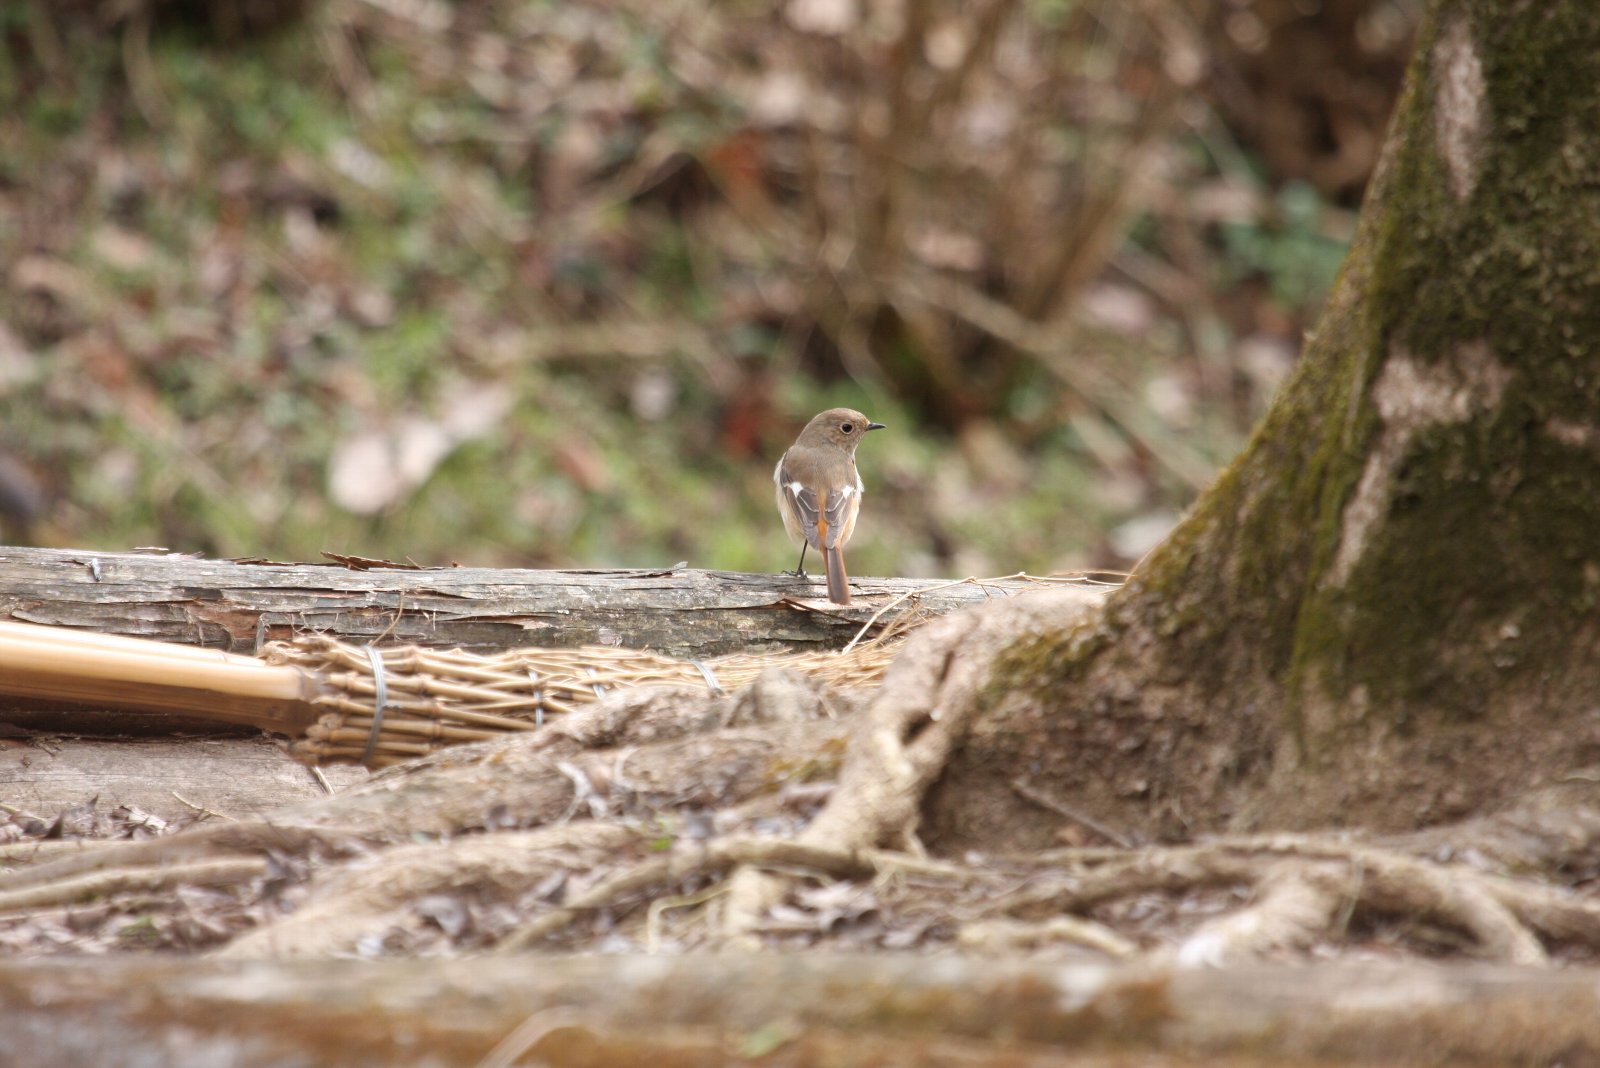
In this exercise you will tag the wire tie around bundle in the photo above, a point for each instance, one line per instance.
(380, 697)
(538, 698)
(711, 678)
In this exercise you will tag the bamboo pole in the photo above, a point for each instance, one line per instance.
(61, 664)
(92, 639)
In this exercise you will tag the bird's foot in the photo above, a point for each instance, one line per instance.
(796, 574)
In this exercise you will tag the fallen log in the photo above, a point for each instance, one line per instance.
(816, 1009)
(169, 779)
(239, 606)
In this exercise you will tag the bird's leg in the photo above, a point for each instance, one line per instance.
(800, 568)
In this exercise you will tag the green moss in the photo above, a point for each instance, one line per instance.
(1510, 265)
(821, 764)
(1043, 661)
(1429, 612)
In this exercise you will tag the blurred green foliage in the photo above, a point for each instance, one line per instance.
(541, 261)
(1290, 248)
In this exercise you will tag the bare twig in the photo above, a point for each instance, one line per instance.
(201, 809)
(1028, 792)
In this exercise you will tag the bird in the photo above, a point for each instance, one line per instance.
(819, 491)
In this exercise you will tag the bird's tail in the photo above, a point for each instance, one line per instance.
(838, 581)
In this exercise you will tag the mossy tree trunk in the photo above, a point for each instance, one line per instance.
(1385, 611)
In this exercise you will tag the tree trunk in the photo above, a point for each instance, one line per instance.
(1384, 611)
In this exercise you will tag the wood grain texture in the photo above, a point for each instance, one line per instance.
(231, 776)
(238, 606)
(802, 1009)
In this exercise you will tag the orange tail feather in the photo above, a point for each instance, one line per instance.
(838, 581)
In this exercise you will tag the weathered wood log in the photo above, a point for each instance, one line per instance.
(817, 1009)
(238, 606)
(169, 779)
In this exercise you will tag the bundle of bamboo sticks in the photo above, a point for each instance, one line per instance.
(343, 703)
(432, 698)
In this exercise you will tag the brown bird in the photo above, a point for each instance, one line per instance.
(819, 491)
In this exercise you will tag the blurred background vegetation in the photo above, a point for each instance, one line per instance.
(542, 283)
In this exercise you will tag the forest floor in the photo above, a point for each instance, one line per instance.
(784, 815)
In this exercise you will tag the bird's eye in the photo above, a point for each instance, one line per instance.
(847, 427)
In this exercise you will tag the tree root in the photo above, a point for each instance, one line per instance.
(667, 753)
(520, 781)
(595, 827)
(681, 862)
(1008, 936)
(382, 895)
(100, 884)
(209, 842)
(34, 850)
(1305, 888)
(1305, 885)
(908, 733)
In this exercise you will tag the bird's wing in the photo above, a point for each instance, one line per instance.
(804, 499)
(840, 513)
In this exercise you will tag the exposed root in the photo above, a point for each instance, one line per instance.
(1006, 936)
(905, 738)
(1553, 912)
(1452, 896)
(350, 909)
(196, 844)
(516, 890)
(1305, 885)
(35, 851)
(1300, 900)
(102, 884)
(717, 856)
(522, 781)
(921, 714)
(1295, 905)
(676, 819)
(679, 863)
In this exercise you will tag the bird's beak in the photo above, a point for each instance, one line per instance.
(876, 426)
